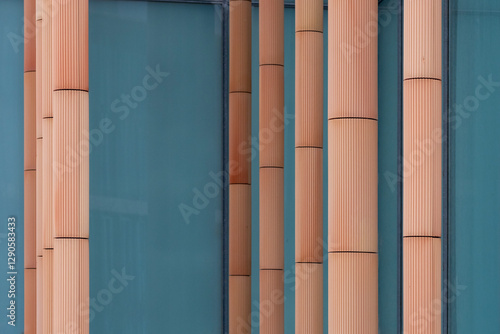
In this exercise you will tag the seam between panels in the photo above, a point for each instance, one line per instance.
(277, 167)
(421, 236)
(422, 78)
(239, 91)
(71, 89)
(352, 117)
(270, 64)
(309, 30)
(351, 252)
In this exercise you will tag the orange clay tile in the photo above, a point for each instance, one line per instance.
(309, 205)
(30, 301)
(271, 218)
(308, 298)
(30, 219)
(47, 61)
(271, 32)
(271, 116)
(71, 164)
(422, 285)
(48, 290)
(38, 87)
(309, 15)
(352, 168)
(71, 277)
(352, 293)
(309, 89)
(29, 35)
(71, 45)
(240, 305)
(271, 302)
(422, 158)
(352, 52)
(240, 145)
(422, 39)
(47, 195)
(240, 229)
(39, 294)
(240, 46)
(29, 120)
(39, 194)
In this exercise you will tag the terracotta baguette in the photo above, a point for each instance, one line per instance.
(309, 15)
(422, 285)
(271, 302)
(309, 298)
(30, 301)
(48, 291)
(47, 195)
(30, 219)
(240, 229)
(39, 82)
(352, 295)
(422, 39)
(39, 295)
(422, 163)
(309, 205)
(30, 35)
(271, 32)
(309, 89)
(240, 119)
(352, 69)
(240, 304)
(30, 120)
(271, 218)
(71, 45)
(71, 164)
(353, 185)
(271, 120)
(47, 60)
(39, 197)
(240, 41)
(71, 277)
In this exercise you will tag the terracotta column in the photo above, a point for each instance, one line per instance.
(352, 167)
(39, 175)
(70, 166)
(240, 117)
(422, 167)
(309, 166)
(271, 162)
(30, 166)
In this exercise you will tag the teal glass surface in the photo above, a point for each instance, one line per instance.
(388, 157)
(156, 202)
(474, 192)
(12, 165)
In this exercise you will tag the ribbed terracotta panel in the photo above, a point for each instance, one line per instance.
(48, 291)
(71, 164)
(30, 219)
(422, 39)
(309, 89)
(240, 46)
(71, 45)
(309, 298)
(352, 67)
(271, 118)
(39, 295)
(29, 120)
(240, 229)
(71, 277)
(422, 158)
(240, 125)
(38, 87)
(39, 9)
(271, 218)
(352, 168)
(30, 301)
(352, 293)
(47, 60)
(39, 199)
(309, 205)
(422, 285)
(271, 302)
(29, 35)
(47, 195)
(271, 32)
(309, 15)
(240, 304)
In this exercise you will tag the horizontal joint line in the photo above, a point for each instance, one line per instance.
(353, 117)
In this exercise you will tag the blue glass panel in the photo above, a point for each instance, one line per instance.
(156, 116)
(12, 166)
(474, 191)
